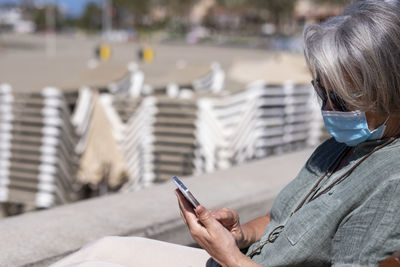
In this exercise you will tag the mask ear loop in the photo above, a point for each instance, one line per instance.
(384, 123)
(386, 120)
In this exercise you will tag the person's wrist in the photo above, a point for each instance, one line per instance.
(245, 240)
(242, 242)
(236, 259)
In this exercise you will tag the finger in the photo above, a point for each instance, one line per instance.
(183, 217)
(184, 203)
(224, 216)
(197, 230)
(220, 215)
(188, 214)
(205, 217)
(182, 210)
(215, 214)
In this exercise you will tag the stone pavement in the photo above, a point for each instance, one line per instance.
(25, 65)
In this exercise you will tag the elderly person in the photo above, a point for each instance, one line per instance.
(343, 207)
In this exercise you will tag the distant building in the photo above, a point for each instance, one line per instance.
(12, 19)
(250, 20)
(309, 12)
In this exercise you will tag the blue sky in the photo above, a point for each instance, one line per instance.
(73, 7)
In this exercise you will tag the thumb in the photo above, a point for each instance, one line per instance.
(205, 216)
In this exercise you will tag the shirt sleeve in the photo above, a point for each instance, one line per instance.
(371, 232)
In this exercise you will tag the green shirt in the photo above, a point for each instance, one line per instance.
(355, 223)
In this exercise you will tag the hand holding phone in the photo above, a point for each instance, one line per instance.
(185, 191)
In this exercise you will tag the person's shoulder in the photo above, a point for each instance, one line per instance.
(386, 160)
(393, 148)
(391, 184)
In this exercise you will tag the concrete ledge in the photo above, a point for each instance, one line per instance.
(40, 238)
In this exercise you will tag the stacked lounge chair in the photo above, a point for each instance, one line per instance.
(138, 145)
(178, 136)
(192, 130)
(38, 160)
(295, 110)
(256, 122)
(174, 137)
(130, 85)
(160, 140)
(212, 81)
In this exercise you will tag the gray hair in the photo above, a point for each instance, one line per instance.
(357, 55)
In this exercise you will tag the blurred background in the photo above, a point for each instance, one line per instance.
(257, 23)
(106, 96)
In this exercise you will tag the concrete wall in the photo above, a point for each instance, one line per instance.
(40, 238)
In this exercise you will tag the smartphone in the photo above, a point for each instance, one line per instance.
(185, 191)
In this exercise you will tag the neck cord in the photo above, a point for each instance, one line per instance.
(334, 166)
(274, 234)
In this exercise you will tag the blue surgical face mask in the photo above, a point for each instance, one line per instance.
(350, 127)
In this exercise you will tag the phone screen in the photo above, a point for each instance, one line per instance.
(185, 191)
